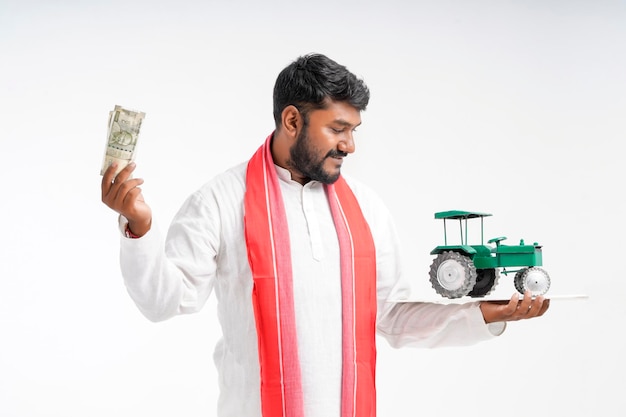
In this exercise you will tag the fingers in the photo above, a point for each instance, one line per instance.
(107, 179)
(512, 306)
(120, 191)
(123, 190)
(133, 194)
(544, 307)
(515, 309)
(525, 305)
(528, 307)
(123, 175)
(535, 306)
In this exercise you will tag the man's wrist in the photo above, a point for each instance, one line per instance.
(137, 229)
(129, 233)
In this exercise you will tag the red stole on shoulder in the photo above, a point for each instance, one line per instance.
(269, 256)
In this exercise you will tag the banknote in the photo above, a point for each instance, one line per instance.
(123, 132)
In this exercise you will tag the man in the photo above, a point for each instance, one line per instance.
(302, 261)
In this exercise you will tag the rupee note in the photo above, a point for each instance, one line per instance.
(123, 132)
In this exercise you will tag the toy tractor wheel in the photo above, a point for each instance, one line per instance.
(534, 279)
(486, 281)
(452, 274)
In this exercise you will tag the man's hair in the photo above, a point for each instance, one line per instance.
(309, 81)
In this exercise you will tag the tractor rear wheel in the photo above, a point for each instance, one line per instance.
(452, 274)
(486, 281)
(534, 279)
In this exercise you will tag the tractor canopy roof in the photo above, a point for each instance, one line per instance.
(459, 214)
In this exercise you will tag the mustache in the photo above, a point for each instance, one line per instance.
(333, 153)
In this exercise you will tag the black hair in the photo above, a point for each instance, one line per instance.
(312, 79)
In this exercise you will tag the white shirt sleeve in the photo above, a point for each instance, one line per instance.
(143, 267)
(176, 277)
(434, 325)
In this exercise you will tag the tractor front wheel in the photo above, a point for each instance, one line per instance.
(452, 274)
(534, 279)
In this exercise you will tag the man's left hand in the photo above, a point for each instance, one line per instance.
(515, 309)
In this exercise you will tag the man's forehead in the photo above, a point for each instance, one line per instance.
(348, 123)
(339, 112)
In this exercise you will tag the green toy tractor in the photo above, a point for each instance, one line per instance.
(474, 270)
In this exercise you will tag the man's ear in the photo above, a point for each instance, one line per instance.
(291, 120)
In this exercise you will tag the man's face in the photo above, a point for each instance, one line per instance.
(323, 143)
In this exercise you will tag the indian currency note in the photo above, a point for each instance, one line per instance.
(123, 132)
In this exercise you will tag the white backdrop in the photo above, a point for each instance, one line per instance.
(515, 108)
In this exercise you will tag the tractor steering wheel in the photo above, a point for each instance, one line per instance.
(497, 240)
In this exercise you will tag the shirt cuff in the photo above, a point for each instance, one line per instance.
(124, 230)
(496, 328)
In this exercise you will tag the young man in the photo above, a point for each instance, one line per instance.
(302, 261)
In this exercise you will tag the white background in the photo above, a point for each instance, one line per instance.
(510, 107)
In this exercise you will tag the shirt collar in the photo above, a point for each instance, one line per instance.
(285, 176)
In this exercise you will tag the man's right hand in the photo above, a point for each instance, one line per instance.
(122, 194)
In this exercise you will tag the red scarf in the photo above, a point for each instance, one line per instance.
(267, 239)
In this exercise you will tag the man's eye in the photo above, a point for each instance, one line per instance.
(337, 130)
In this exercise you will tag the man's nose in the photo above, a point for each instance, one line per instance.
(347, 143)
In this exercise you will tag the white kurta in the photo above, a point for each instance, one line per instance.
(205, 251)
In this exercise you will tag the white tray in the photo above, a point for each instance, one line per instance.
(439, 299)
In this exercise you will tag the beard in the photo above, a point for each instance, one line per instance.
(305, 160)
